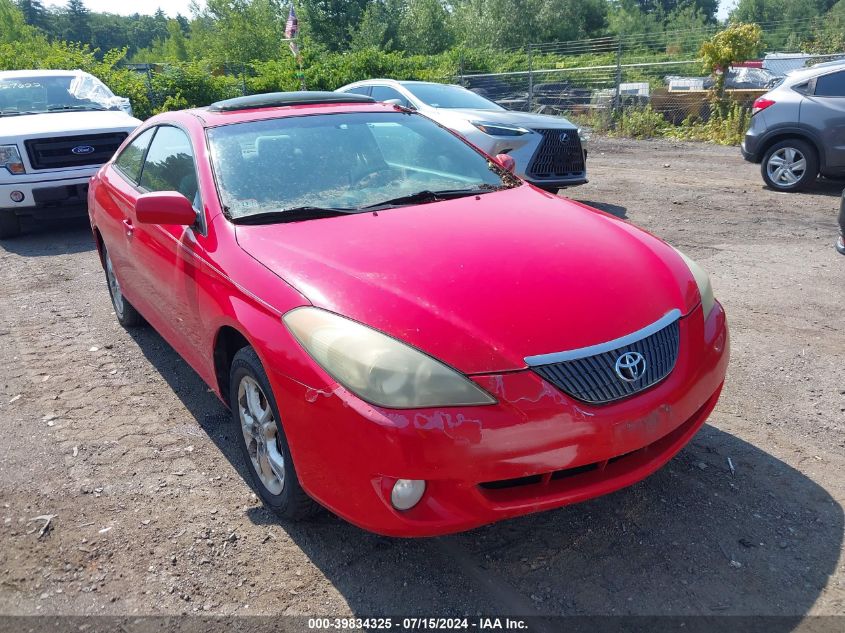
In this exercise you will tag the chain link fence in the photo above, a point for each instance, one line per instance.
(603, 82)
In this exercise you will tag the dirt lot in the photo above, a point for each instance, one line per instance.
(116, 438)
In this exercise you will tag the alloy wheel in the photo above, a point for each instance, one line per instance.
(261, 434)
(114, 288)
(786, 167)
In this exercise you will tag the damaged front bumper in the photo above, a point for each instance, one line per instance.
(536, 449)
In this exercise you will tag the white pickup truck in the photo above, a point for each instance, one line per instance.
(56, 129)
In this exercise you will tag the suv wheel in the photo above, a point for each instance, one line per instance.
(10, 225)
(790, 165)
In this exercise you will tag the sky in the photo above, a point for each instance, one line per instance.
(172, 7)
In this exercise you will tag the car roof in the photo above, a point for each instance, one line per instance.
(814, 70)
(400, 82)
(217, 117)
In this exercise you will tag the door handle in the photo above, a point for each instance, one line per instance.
(127, 224)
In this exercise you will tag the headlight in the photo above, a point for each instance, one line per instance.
(703, 281)
(378, 368)
(499, 129)
(10, 158)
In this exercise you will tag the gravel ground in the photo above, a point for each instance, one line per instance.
(114, 437)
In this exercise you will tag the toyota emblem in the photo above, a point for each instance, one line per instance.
(630, 366)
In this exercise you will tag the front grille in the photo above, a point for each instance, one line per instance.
(593, 378)
(57, 152)
(559, 155)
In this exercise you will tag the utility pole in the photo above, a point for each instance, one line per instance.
(530, 78)
(617, 100)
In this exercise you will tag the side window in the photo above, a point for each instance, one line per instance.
(130, 159)
(360, 90)
(385, 93)
(832, 85)
(170, 165)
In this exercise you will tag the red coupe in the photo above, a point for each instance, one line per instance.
(405, 332)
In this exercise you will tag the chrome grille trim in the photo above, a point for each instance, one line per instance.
(588, 374)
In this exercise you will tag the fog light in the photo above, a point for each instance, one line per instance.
(407, 493)
(17, 196)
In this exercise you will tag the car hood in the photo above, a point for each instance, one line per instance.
(52, 123)
(525, 119)
(485, 281)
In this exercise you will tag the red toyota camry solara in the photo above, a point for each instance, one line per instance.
(405, 332)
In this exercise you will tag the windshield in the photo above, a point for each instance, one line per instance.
(57, 93)
(343, 161)
(450, 96)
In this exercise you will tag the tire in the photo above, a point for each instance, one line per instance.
(264, 445)
(790, 165)
(10, 225)
(125, 312)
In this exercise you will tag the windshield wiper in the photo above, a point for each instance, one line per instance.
(294, 214)
(54, 108)
(431, 196)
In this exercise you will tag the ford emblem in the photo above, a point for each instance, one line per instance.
(82, 149)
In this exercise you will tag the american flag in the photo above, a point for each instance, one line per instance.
(292, 25)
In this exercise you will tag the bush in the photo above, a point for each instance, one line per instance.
(642, 122)
(727, 129)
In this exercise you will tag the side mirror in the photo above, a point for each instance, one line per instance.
(506, 161)
(165, 207)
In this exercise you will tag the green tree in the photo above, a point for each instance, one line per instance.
(13, 26)
(35, 14)
(77, 26)
(627, 17)
(379, 26)
(331, 23)
(737, 43)
(238, 31)
(423, 29)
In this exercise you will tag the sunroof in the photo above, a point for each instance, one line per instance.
(280, 99)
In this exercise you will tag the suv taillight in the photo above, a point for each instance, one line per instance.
(761, 104)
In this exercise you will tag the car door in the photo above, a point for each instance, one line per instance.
(823, 109)
(115, 203)
(167, 256)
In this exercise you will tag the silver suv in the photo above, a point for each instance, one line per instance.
(798, 129)
(547, 150)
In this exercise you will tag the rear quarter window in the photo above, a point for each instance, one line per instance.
(832, 85)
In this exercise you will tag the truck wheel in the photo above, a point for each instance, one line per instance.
(10, 225)
(790, 165)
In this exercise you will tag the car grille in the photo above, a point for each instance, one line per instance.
(593, 379)
(557, 157)
(57, 152)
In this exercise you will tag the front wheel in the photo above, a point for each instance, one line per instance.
(10, 225)
(790, 165)
(262, 440)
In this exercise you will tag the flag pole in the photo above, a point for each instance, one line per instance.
(291, 31)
